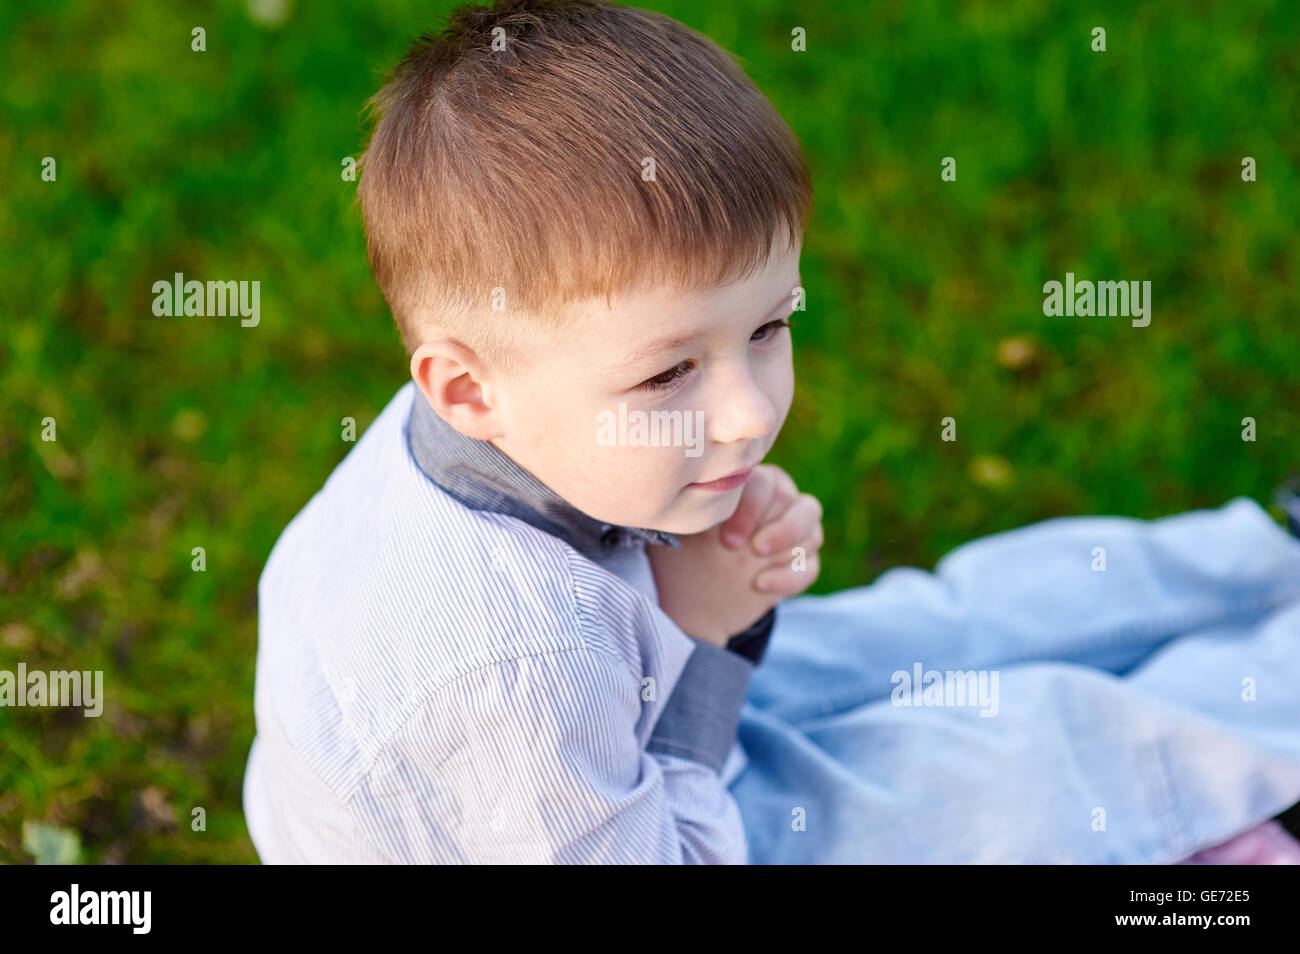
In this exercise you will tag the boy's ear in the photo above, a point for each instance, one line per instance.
(451, 378)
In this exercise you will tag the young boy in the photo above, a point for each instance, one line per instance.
(514, 625)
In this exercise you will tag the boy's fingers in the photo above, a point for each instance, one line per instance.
(754, 500)
(784, 493)
(781, 491)
(787, 581)
(800, 521)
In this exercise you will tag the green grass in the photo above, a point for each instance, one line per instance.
(179, 434)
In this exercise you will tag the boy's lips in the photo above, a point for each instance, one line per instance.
(729, 482)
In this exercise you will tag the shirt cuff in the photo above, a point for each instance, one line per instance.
(752, 642)
(701, 717)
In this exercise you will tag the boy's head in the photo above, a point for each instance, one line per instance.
(553, 189)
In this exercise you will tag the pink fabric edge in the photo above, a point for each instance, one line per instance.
(1265, 844)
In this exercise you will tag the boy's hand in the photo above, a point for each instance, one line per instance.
(783, 517)
(712, 590)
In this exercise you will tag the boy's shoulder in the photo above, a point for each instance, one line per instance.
(384, 589)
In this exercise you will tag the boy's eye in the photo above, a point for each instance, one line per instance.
(662, 381)
(762, 335)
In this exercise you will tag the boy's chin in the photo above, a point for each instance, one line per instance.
(702, 517)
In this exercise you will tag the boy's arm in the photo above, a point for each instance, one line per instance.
(708, 586)
(544, 766)
(700, 718)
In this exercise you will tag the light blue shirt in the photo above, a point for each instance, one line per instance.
(438, 682)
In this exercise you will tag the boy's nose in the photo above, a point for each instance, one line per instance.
(741, 412)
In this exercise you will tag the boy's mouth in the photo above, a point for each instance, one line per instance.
(729, 482)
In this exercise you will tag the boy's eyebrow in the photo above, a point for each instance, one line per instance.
(672, 342)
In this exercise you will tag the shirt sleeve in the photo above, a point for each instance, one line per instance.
(538, 761)
(700, 719)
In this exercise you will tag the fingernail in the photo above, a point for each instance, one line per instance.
(764, 547)
(731, 539)
(763, 585)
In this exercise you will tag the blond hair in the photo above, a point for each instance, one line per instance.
(550, 151)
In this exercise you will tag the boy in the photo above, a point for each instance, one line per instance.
(514, 625)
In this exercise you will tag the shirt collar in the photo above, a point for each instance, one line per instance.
(483, 477)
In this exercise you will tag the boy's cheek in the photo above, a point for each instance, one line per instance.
(636, 486)
(610, 484)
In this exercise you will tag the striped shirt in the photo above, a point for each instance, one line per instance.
(455, 666)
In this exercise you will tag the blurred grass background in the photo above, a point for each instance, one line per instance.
(925, 301)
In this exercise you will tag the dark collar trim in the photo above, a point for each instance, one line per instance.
(484, 478)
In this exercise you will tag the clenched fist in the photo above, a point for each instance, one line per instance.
(713, 588)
